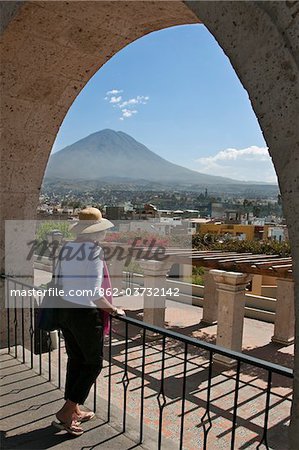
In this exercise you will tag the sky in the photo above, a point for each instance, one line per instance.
(176, 92)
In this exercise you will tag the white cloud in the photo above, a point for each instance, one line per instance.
(251, 163)
(140, 99)
(128, 113)
(260, 153)
(114, 99)
(125, 105)
(131, 101)
(114, 92)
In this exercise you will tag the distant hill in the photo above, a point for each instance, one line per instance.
(113, 156)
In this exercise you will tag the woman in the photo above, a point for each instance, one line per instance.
(84, 279)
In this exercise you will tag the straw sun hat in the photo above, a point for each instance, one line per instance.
(91, 221)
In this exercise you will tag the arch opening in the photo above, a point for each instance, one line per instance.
(259, 40)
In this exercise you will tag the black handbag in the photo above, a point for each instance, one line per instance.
(48, 313)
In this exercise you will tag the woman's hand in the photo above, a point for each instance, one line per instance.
(105, 305)
(118, 312)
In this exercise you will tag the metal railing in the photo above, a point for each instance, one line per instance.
(40, 342)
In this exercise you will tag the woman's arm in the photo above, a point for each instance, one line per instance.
(95, 270)
(103, 303)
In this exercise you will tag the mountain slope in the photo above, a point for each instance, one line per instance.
(108, 154)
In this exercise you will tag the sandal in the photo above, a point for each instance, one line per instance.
(68, 428)
(86, 418)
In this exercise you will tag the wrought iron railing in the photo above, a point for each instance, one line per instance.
(40, 342)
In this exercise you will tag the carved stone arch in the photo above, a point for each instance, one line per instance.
(51, 49)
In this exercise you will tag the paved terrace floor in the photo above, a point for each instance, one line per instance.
(28, 405)
(253, 381)
(184, 319)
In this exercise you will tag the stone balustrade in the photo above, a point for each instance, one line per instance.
(223, 300)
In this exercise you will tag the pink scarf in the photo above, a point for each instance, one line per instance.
(106, 284)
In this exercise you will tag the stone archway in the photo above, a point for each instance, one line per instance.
(51, 49)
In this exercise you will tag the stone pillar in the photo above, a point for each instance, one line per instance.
(284, 326)
(210, 300)
(15, 262)
(185, 272)
(116, 256)
(116, 268)
(231, 307)
(256, 285)
(155, 278)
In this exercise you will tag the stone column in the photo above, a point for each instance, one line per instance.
(15, 262)
(116, 268)
(284, 326)
(154, 280)
(231, 307)
(185, 272)
(210, 300)
(116, 256)
(256, 285)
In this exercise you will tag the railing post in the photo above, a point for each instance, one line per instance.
(210, 300)
(4, 317)
(231, 307)
(154, 281)
(284, 326)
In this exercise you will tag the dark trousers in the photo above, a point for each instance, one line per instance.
(82, 329)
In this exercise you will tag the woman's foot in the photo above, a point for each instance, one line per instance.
(84, 416)
(72, 427)
(68, 417)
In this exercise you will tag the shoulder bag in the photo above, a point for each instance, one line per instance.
(48, 313)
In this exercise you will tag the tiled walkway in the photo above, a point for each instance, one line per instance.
(29, 402)
(251, 400)
(252, 397)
